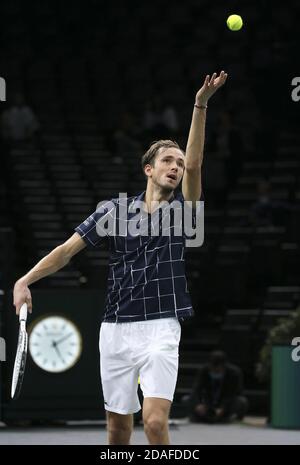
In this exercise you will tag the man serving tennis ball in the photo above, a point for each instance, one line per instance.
(147, 290)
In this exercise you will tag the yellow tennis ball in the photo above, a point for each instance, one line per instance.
(139, 380)
(234, 22)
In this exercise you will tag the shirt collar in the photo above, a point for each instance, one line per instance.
(141, 198)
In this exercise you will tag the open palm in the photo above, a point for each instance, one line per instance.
(210, 86)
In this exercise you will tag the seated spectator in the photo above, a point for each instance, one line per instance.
(217, 394)
(160, 118)
(169, 117)
(265, 211)
(126, 137)
(18, 122)
(226, 141)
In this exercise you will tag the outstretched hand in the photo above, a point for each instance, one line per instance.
(210, 86)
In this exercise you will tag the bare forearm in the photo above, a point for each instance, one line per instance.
(51, 263)
(195, 144)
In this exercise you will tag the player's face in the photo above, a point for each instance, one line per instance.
(168, 168)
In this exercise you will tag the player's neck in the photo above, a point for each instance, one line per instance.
(155, 194)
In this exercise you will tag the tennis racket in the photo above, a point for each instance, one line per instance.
(20, 360)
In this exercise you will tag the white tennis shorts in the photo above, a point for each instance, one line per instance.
(148, 349)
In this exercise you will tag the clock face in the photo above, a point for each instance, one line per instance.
(55, 344)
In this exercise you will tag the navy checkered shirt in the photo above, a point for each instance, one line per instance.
(146, 277)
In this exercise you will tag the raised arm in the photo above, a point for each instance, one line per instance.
(54, 261)
(191, 182)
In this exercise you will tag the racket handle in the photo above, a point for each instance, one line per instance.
(23, 312)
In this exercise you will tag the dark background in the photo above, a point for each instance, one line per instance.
(90, 71)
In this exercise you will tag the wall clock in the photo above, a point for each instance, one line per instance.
(55, 343)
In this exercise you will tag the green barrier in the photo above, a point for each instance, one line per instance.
(285, 398)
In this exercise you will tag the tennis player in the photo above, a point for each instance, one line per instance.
(147, 294)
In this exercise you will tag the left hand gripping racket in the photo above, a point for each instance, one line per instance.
(20, 360)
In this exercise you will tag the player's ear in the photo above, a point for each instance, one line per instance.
(147, 169)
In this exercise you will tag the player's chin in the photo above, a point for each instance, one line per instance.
(168, 187)
(171, 184)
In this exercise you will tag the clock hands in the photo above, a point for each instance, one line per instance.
(54, 345)
(63, 339)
